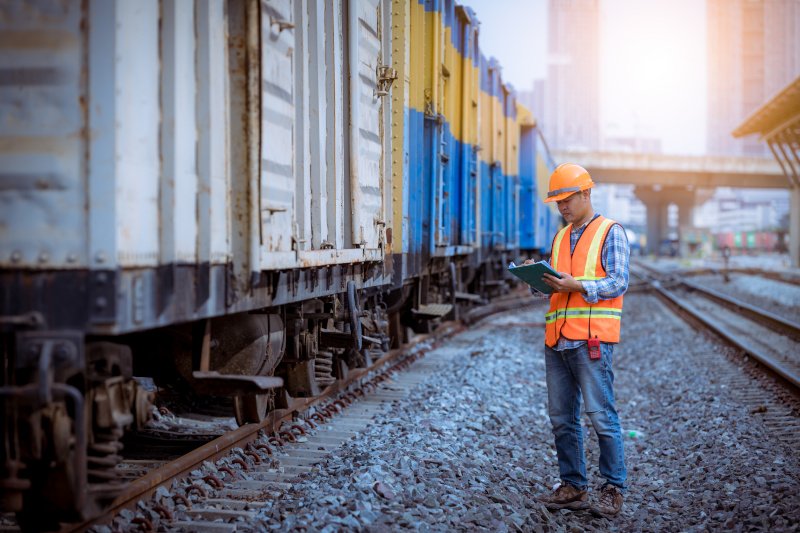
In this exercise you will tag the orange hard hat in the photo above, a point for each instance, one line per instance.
(567, 179)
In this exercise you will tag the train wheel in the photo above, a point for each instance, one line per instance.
(354, 315)
(251, 408)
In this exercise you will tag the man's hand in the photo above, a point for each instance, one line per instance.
(566, 284)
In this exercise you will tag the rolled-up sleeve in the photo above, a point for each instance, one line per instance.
(616, 263)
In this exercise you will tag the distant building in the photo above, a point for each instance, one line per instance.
(744, 210)
(753, 52)
(572, 96)
(534, 99)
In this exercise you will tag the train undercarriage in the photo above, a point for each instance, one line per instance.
(68, 399)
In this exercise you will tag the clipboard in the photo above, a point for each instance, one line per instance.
(532, 275)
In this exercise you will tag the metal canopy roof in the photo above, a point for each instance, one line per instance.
(775, 115)
(778, 123)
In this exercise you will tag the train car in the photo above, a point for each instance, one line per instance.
(766, 241)
(192, 191)
(235, 198)
(538, 221)
(458, 121)
(723, 240)
(435, 117)
(749, 241)
(499, 181)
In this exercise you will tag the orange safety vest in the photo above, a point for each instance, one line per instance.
(570, 316)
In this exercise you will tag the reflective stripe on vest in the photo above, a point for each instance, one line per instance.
(585, 312)
(593, 259)
(570, 315)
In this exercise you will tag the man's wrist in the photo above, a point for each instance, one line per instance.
(590, 291)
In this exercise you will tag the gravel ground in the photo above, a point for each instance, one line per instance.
(472, 447)
(779, 297)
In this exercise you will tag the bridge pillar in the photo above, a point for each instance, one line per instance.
(686, 205)
(657, 219)
(657, 200)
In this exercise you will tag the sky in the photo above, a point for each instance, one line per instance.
(515, 32)
(652, 66)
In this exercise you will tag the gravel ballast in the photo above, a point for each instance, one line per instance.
(471, 447)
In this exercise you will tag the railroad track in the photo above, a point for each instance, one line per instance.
(764, 348)
(785, 277)
(222, 494)
(192, 495)
(771, 340)
(218, 485)
(777, 275)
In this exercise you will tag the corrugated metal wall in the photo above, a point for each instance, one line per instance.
(43, 107)
(115, 140)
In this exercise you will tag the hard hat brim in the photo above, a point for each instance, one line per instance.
(558, 197)
(567, 194)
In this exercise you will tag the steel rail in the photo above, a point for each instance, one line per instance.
(752, 312)
(765, 360)
(757, 314)
(785, 277)
(147, 485)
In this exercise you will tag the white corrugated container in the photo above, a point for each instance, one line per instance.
(116, 137)
(127, 166)
(323, 150)
(43, 99)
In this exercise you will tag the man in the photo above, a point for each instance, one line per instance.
(581, 327)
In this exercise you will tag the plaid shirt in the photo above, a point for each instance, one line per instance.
(615, 260)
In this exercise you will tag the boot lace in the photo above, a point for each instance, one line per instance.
(608, 495)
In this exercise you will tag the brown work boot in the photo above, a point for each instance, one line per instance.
(565, 497)
(609, 503)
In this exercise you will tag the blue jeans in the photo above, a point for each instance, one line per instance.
(571, 375)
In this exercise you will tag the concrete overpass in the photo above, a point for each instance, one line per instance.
(686, 181)
(677, 170)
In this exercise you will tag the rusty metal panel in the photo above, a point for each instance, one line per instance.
(43, 139)
(212, 125)
(366, 29)
(277, 126)
(136, 81)
(243, 23)
(102, 111)
(316, 136)
(304, 130)
(335, 142)
(384, 89)
(320, 122)
(178, 222)
(316, 223)
(398, 227)
(309, 205)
